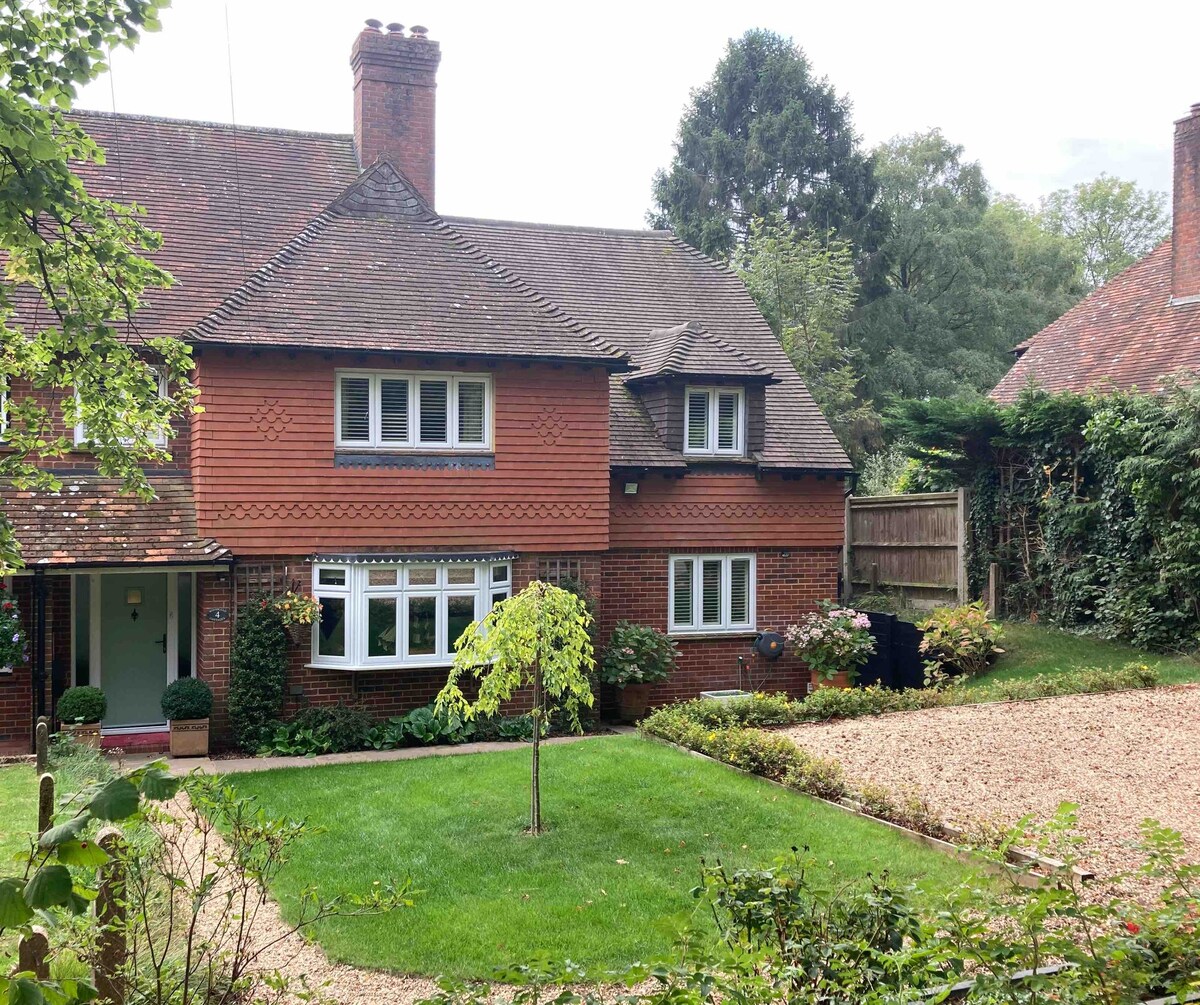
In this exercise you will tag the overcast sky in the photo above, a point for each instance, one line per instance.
(560, 112)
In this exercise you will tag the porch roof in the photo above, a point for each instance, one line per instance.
(89, 523)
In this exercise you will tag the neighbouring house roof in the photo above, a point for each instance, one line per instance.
(687, 350)
(90, 523)
(1124, 335)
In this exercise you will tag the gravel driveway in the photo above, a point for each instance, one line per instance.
(1122, 757)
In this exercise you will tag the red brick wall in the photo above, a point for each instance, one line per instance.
(1185, 221)
(789, 583)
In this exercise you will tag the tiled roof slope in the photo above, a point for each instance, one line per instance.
(379, 270)
(687, 350)
(624, 285)
(1126, 334)
(90, 523)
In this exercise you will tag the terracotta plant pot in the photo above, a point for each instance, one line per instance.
(189, 737)
(85, 733)
(839, 680)
(634, 700)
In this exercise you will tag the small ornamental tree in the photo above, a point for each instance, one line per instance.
(258, 670)
(537, 639)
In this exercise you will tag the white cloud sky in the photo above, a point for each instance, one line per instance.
(560, 112)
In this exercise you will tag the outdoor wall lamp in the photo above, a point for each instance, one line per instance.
(133, 598)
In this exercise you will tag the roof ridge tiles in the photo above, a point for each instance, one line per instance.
(205, 123)
(565, 228)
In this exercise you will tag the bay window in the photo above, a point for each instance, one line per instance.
(710, 593)
(714, 421)
(378, 614)
(390, 410)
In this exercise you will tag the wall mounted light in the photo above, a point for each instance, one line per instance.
(631, 488)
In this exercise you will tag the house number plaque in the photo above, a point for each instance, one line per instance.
(217, 614)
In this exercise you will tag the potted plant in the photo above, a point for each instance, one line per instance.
(80, 710)
(12, 635)
(637, 656)
(834, 642)
(187, 703)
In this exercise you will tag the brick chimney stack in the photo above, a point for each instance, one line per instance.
(395, 78)
(1185, 226)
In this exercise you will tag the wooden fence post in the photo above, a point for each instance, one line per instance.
(32, 953)
(41, 744)
(993, 590)
(963, 589)
(45, 803)
(111, 949)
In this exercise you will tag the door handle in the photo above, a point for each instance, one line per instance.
(163, 642)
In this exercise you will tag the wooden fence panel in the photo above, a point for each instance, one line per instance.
(915, 544)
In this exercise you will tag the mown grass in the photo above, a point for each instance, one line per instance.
(608, 884)
(1037, 649)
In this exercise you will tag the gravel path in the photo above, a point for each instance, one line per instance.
(1122, 757)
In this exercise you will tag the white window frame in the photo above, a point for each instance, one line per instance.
(711, 449)
(493, 582)
(696, 626)
(414, 442)
(81, 433)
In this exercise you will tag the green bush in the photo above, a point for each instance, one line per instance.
(959, 640)
(82, 705)
(637, 654)
(258, 670)
(187, 698)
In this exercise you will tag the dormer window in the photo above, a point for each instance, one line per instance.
(392, 410)
(715, 421)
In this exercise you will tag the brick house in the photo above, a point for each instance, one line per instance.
(412, 415)
(1142, 325)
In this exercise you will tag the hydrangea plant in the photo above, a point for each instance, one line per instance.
(832, 640)
(13, 650)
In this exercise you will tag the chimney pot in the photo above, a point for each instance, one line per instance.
(419, 31)
(373, 24)
(1185, 222)
(395, 80)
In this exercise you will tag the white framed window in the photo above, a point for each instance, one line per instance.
(377, 615)
(710, 593)
(160, 437)
(394, 410)
(714, 421)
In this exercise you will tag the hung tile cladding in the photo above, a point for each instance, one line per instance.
(413, 414)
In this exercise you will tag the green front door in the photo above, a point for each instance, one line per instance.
(133, 647)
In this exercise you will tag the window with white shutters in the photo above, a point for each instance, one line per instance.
(711, 593)
(715, 421)
(413, 411)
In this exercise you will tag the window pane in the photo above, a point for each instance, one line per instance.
(83, 629)
(682, 602)
(460, 612)
(727, 421)
(471, 403)
(381, 626)
(461, 575)
(331, 631)
(331, 577)
(499, 574)
(434, 424)
(184, 639)
(355, 405)
(498, 598)
(381, 577)
(422, 626)
(710, 586)
(697, 420)
(393, 409)
(422, 575)
(739, 591)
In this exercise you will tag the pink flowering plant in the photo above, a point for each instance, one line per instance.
(833, 640)
(637, 654)
(13, 650)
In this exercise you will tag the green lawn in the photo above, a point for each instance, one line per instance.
(18, 811)
(629, 821)
(1035, 649)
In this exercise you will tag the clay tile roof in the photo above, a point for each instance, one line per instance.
(1126, 334)
(625, 285)
(89, 522)
(379, 270)
(688, 350)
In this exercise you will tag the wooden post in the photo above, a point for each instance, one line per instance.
(993, 590)
(45, 803)
(111, 947)
(963, 594)
(32, 952)
(41, 745)
(874, 577)
(847, 553)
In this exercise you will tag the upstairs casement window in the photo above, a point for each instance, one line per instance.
(159, 439)
(714, 421)
(390, 410)
(711, 593)
(378, 615)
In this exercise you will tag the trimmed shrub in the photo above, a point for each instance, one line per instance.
(187, 698)
(82, 705)
(637, 654)
(258, 669)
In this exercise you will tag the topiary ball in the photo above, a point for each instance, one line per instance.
(187, 698)
(82, 704)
